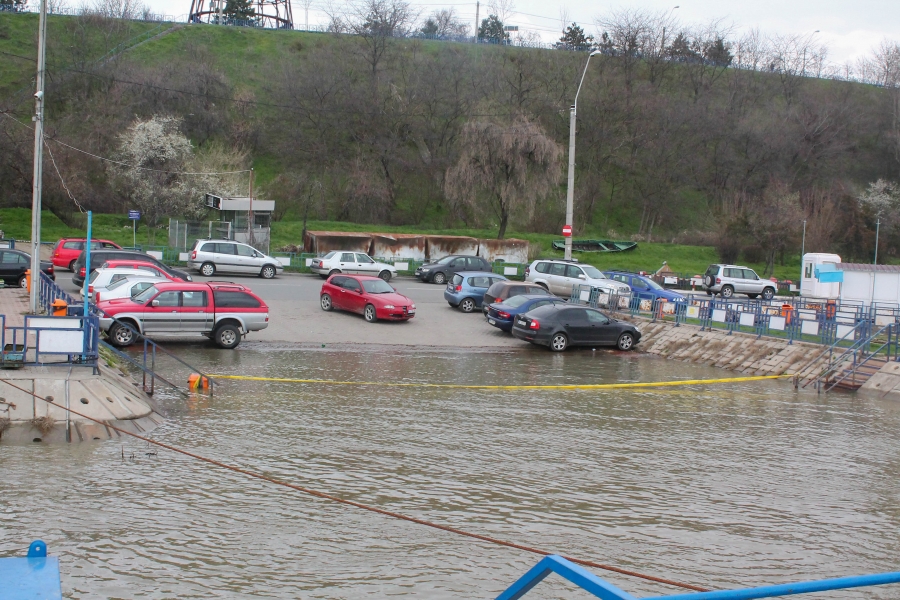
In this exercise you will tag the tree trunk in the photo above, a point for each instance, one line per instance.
(504, 219)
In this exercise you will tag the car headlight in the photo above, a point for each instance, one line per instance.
(425, 269)
(413, 307)
(390, 306)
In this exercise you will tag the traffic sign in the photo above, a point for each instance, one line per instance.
(134, 215)
(567, 231)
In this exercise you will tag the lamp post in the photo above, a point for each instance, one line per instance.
(34, 303)
(875, 265)
(570, 189)
(802, 251)
(804, 50)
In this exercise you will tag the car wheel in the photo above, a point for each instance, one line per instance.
(768, 294)
(23, 282)
(268, 272)
(227, 337)
(467, 305)
(439, 278)
(207, 269)
(333, 272)
(559, 342)
(72, 266)
(120, 335)
(325, 302)
(752, 296)
(369, 313)
(626, 341)
(385, 275)
(727, 291)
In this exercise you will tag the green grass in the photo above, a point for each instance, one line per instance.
(685, 259)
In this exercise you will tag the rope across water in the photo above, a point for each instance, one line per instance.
(381, 511)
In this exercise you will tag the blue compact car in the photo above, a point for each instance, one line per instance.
(466, 290)
(502, 314)
(645, 288)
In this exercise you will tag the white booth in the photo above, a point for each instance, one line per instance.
(810, 284)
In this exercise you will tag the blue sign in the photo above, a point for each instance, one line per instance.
(134, 215)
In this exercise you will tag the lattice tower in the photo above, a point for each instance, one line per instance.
(269, 13)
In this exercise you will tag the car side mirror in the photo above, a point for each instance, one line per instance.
(154, 303)
(582, 276)
(359, 291)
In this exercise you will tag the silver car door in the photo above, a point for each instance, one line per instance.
(366, 265)
(246, 258)
(227, 259)
(556, 278)
(347, 262)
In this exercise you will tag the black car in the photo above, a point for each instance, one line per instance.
(504, 290)
(14, 263)
(98, 257)
(441, 271)
(562, 325)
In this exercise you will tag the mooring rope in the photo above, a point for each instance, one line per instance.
(381, 511)
(587, 386)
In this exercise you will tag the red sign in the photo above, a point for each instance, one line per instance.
(567, 231)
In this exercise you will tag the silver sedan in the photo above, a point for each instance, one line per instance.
(354, 263)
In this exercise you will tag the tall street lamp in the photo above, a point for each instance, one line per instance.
(570, 190)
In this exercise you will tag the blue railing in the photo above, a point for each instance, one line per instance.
(603, 589)
(43, 338)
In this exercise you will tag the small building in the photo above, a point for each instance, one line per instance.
(812, 284)
(234, 216)
(869, 283)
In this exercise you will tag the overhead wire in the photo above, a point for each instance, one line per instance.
(360, 505)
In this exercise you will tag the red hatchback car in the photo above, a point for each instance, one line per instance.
(372, 297)
(68, 249)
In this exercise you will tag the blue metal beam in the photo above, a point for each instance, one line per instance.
(569, 570)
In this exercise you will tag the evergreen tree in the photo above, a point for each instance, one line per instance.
(240, 12)
(491, 30)
(574, 38)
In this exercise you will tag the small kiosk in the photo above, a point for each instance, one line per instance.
(235, 214)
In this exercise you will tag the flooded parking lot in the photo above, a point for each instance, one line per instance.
(721, 486)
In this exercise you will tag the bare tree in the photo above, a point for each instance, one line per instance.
(504, 9)
(511, 167)
(444, 24)
(375, 22)
(751, 51)
(627, 33)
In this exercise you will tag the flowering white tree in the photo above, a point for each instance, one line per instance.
(154, 154)
(883, 198)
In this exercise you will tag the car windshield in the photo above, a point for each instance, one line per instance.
(116, 284)
(144, 296)
(592, 272)
(516, 301)
(444, 260)
(329, 255)
(377, 286)
(653, 285)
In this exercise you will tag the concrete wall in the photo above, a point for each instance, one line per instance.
(736, 352)
(510, 250)
(414, 246)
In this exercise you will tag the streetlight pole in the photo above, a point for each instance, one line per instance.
(802, 252)
(570, 189)
(38, 161)
(875, 262)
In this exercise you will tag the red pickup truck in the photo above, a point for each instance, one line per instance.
(223, 312)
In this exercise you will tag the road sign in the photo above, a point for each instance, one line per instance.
(567, 231)
(134, 215)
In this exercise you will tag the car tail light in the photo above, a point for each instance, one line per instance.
(50, 269)
(535, 324)
(81, 272)
(718, 280)
(97, 298)
(459, 288)
(527, 271)
(90, 289)
(193, 255)
(503, 315)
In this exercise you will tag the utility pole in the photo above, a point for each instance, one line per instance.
(874, 265)
(250, 212)
(38, 161)
(802, 253)
(477, 13)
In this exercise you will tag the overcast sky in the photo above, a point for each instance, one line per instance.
(849, 28)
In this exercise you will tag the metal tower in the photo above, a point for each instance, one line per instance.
(274, 14)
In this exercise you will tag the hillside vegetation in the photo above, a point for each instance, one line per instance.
(678, 151)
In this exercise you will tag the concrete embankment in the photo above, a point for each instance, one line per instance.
(737, 352)
(107, 396)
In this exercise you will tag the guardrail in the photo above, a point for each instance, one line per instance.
(603, 589)
(43, 338)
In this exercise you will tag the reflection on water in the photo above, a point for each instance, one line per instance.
(722, 486)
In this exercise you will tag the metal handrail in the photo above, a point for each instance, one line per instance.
(830, 351)
(892, 340)
(145, 370)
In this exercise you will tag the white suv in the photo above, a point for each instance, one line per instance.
(561, 276)
(227, 256)
(729, 280)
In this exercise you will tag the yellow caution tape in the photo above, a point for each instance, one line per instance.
(597, 386)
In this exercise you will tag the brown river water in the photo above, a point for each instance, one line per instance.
(721, 486)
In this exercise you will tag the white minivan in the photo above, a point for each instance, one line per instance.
(227, 256)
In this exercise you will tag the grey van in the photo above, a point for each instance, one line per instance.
(227, 256)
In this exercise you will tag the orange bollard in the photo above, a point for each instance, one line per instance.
(28, 279)
(60, 307)
(197, 381)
